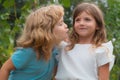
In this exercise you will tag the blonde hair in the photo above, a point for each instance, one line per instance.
(38, 30)
(96, 13)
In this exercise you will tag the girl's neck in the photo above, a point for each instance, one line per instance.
(85, 41)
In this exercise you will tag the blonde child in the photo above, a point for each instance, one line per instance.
(33, 58)
(87, 55)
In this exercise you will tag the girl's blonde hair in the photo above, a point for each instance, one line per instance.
(38, 30)
(96, 13)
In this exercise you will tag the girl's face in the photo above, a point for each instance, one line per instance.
(85, 26)
(60, 30)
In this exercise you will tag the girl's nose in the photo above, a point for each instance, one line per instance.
(65, 25)
(81, 22)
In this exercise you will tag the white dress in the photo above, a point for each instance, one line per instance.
(82, 62)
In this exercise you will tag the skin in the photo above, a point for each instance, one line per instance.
(6, 68)
(104, 72)
(85, 27)
(59, 28)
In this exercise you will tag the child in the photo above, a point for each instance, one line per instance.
(87, 56)
(33, 59)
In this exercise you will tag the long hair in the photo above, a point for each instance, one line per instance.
(38, 30)
(93, 10)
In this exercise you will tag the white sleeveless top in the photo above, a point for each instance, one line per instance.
(82, 62)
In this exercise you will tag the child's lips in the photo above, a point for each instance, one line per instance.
(82, 28)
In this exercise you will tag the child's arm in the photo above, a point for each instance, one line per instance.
(103, 72)
(55, 71)
(5, 69)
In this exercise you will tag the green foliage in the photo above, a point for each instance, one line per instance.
(11, 23)
(8, 3)
(14, 12)
(66, 3)
(112, 18)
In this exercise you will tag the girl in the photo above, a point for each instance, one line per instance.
(87, 56)
(33, 59)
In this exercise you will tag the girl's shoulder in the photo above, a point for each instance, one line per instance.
(105, 54)
(108, 45)
(105, 47)
(24, 50)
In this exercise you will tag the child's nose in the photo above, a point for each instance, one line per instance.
(65, 25)
(81, 22)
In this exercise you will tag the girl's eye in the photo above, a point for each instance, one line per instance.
(87, 19)
(60, 24)
(77, 19)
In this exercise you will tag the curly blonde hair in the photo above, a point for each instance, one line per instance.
(38, 30)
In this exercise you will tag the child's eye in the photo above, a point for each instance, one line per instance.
(87, 19)
(60, 24)
(77, 19)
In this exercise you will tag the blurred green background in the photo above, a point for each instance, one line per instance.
(14, 12)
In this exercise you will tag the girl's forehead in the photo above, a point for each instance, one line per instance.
(84, 12)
